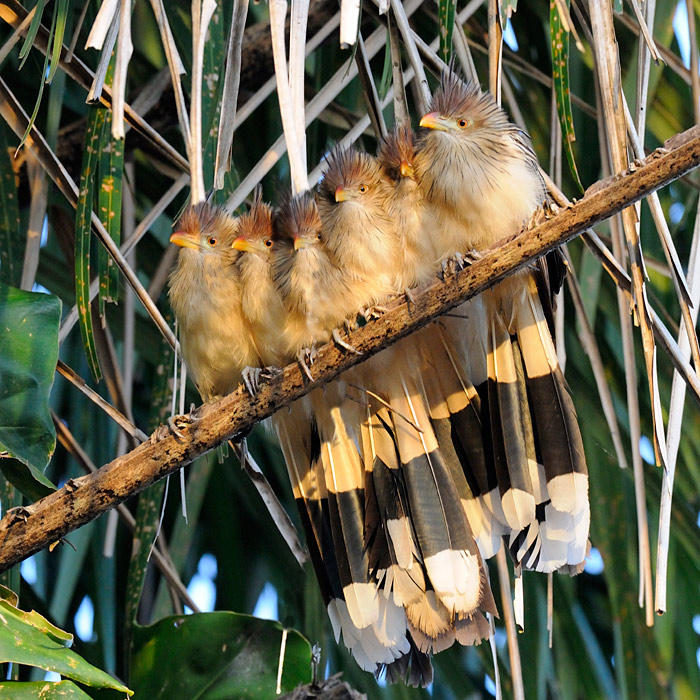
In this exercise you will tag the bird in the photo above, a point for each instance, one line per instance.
(452, 398)
(323, 462)
(205, 295)
(260, 301)
(358, 231)
(419, 538)
(418, 259)
(480, 178)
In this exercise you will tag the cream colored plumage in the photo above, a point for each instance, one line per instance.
(205, 294)
(480, 178)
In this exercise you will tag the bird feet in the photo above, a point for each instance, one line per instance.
(410, 297)
(540, 215)
(17, 514)
(252, 376)
(306, 357)
(343, 343)
(371, 312)
(458, 262)
(176, 423)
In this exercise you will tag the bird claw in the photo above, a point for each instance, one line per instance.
(71, 485)
(304, 356)
(18, 513)
(471, 256)
(458, 262)
(343, 343)
(251, 379)
(537, 217)
(372, 312)
(410, 297)
(177, 422)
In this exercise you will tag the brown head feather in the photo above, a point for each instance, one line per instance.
(297, 217)
(458, 99)
(256, 223)
(206, 219)
(397, 148)
(349, 169)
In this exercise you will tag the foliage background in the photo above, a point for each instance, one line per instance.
(602, 647)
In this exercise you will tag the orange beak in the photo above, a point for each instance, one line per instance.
(246, 246)
(433, 120)
(185, 240)
(406, 169)
(301, 243)
(340, 194)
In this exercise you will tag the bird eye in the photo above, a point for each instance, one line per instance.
(268, 243)
(363, 188)
(211, 240)
(463, 123)
(318, 236)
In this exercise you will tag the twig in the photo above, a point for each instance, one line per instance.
(229, 98)
(694, 77)
(407, 34)
(675, 424)
(37, 214)
(401, 115)
(79, 383)
(202, 12)
(369, 89)
(54, 516)
(495, 49)
(176, 68)
(274, 507)
(124, 50)
(590, 346)
(349, 22)
(607, 64)
(516, 671)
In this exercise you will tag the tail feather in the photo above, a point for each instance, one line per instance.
(345, 485)
(512, 467)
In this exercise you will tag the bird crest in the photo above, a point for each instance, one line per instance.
(397, 153)
(348, 169)
(297, 217)
(456, 98)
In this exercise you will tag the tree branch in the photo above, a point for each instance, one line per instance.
(27, 530)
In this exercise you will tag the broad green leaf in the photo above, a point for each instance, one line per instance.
(28, 479)
(45, 690)
(11, 243)
(446, 25)
(28, 354)
(28, 638)
(216, 655)
(83, 233)
(560, 76)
